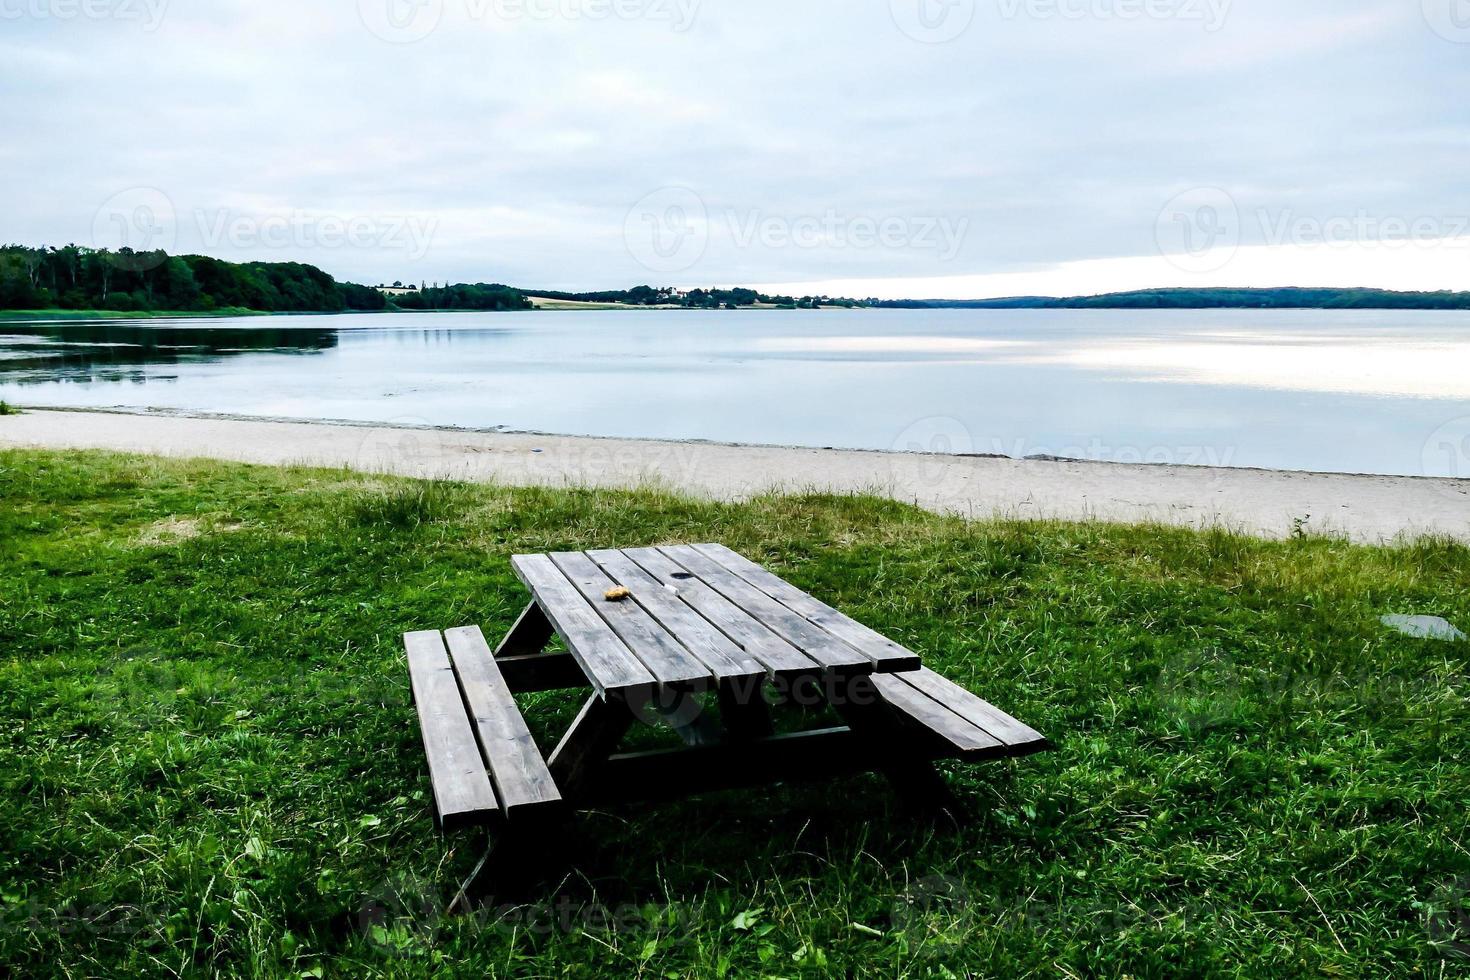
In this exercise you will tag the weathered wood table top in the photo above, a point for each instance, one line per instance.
(696, 615)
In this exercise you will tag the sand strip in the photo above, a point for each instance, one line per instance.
(1262, 502)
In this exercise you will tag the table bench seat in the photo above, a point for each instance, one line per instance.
(962, 724)
(483, 763)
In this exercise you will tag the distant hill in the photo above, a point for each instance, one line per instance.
(1286, 298)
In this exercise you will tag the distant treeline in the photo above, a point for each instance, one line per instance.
(478, 296)
(697, 299)
(1286, 298)
(80, 278)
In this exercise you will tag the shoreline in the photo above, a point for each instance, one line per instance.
(1266, 503)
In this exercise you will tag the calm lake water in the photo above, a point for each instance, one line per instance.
(1352, 391)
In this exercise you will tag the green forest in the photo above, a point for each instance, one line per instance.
(79, 278)
(463, 296)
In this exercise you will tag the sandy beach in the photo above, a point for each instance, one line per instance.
(1261, 502)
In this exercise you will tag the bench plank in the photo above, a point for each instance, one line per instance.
(522, 781)
(885, 654)
(607, 661)
(665, 658)
(979, 712)
(780, 658)
(962, 736)
(816, 643)
(461, 785)
(701, 637)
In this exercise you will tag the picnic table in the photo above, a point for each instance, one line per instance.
(655, 635)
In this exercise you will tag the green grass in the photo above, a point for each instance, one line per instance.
(8, 409)
(211, 763)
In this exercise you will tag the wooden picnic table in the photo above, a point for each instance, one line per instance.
(657, 634)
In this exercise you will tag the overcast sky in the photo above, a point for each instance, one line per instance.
(868, 147)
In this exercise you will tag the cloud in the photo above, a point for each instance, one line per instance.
(1053, 132)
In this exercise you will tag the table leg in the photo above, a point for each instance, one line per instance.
(912, 775)
(528, 636)
(588, 743)
(516, 859)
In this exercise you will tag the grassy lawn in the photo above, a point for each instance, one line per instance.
(211, 763)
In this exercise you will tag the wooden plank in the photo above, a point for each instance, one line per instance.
(887, 655)
(699, 636)
(664, 656)
(977, 711)
(542, 672)
(522, 781)
(529, 636)
(606, 660)
(775, 654)
(832, 653)
(584, 749)
(462, 792)
(924, 711)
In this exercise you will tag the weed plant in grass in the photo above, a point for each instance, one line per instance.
(211, 764)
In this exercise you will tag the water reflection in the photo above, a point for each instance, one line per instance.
(112, 351)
